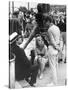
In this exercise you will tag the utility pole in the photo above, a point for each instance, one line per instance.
(9, 9)
(12, 6)
(28, 5)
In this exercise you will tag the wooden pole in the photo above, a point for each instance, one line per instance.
(12, 7)
(9, 9)
(28, 5)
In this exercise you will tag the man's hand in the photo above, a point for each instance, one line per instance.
(58, 47)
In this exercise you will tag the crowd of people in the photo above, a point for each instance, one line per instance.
(27, 20)
(50, 35)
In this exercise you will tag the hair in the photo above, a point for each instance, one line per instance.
(37, 44)
(15, 13)
(48, 18)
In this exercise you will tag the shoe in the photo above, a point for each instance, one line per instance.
(27, 79)
(31, 84)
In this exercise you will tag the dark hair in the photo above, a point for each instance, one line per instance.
(48, 18)
(15, 13)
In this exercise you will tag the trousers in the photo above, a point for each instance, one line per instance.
(53, 62)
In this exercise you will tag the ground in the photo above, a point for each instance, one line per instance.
(47, 78)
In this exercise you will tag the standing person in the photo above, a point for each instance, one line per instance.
(61, 24)
(28, 28)
(14, 24)
(53, 48)
(63, 35)
(21, 17)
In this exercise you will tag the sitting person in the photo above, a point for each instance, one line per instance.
(23, 67)
(41, 54)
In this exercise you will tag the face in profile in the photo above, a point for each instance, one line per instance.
(47, 24)
(20, 40)
(40, 41)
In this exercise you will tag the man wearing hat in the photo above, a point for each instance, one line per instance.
(23, 67)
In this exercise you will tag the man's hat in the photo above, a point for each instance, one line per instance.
(13, 37)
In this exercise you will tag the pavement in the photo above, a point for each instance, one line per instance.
(47, 78)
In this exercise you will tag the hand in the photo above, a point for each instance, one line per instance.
(58, 48)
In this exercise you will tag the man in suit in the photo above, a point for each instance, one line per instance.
(23, 67)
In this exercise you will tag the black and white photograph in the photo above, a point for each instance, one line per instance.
(37, 44)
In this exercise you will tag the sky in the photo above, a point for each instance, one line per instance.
(17, 4)
(32, 4)
(20, 3)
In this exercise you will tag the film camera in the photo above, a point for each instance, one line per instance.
(43, 11)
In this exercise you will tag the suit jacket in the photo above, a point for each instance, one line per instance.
(14, 26)
(22, 64)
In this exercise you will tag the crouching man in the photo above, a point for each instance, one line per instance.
(23, 67)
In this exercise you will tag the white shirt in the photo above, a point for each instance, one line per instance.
(54, 34)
